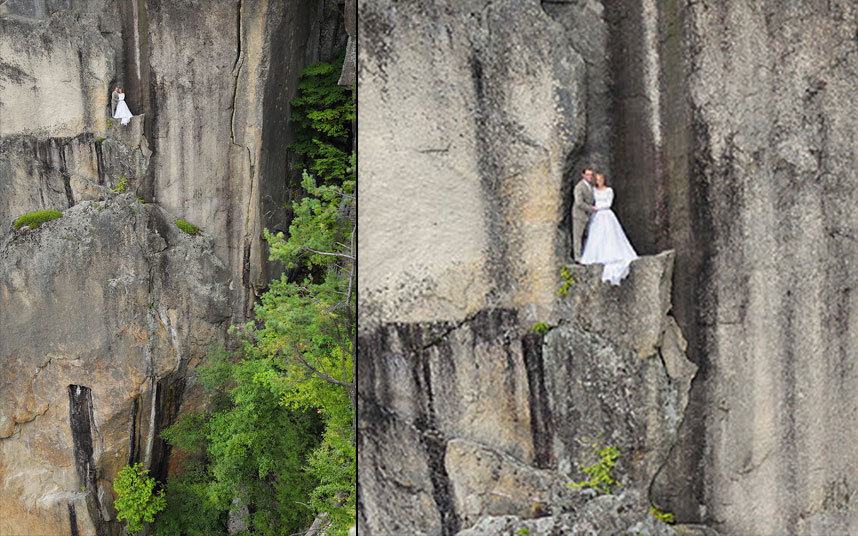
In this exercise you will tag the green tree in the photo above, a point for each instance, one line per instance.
(307, 329)
(250, 447)
(137, 501)
(322, 115)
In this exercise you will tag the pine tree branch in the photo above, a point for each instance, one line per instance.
(321, 375)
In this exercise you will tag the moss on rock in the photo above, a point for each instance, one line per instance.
(187, 227)
(34, 219)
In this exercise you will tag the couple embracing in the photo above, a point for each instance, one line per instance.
(606, 242)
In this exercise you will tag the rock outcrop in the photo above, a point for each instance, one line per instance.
(462, 421)
(104, 313)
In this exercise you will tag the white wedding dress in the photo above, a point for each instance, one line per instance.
(606, 242)
(122, 111)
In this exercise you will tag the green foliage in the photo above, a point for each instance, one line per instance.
(541, 328)
(120, 187)
(34, 219)
(307, 329)
(568, 281)
(601, 479)
(137, 501)
(191, 511)
(141, 200)
(189, 228)
(109, 123)
(101, 138)
(523, 531)
(322, 114)
(664, 517)
(254, 448)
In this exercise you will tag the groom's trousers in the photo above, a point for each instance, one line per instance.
(579, 226)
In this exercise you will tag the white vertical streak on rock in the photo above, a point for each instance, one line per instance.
(652, 72)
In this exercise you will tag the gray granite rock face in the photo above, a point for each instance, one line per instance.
(105, 313)
(752, 180)
(470, 110)
(463, 420)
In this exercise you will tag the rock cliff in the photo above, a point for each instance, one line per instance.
(105, 313)
(465, 421)
(727, 130)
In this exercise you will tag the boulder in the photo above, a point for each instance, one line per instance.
(105, 313)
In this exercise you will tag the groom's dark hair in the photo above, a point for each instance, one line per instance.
(586, 169)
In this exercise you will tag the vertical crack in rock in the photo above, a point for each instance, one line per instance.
(81, 421)
(541, 421)
(134, 435)
(99, 161)
(73, 520)
(789, 447)
(433, 441)
(245, 276)
(64, 172)
(168, 400)
(236, 67)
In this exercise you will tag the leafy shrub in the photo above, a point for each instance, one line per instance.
(540, 327)
(137, 500)
(189, 228)
(120, 187)
(601, 479)
(34, 219)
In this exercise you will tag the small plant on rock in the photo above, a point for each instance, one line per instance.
(34, 219)
(568, 281)
(664, 517)
(189, 228)
(540, 328)
(120, 186)
(601, 479)
(109, 123)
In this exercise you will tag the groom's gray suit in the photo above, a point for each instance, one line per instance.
(114, 98)
(583, 200)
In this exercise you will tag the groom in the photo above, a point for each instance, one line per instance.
(114, 98)
(582, 207)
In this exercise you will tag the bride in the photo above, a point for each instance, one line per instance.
(122, 111)
(606, 242)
